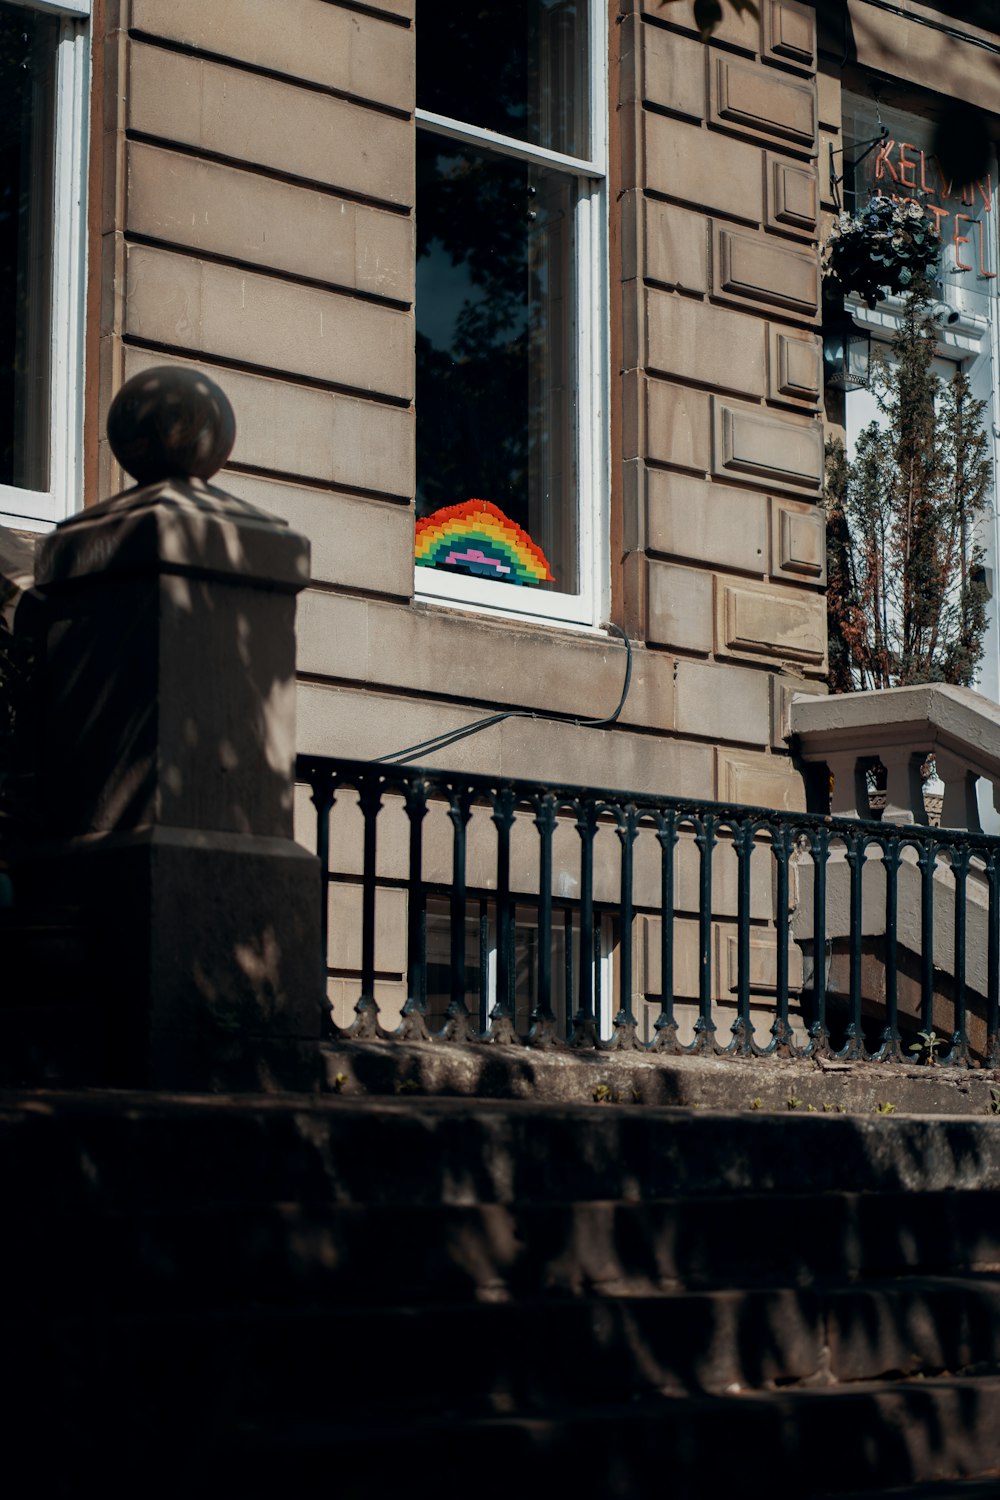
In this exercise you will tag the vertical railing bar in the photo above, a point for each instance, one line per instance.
(625, 1022)
(993, 967)
(959, 1054)
(542, 1017)
(459, 811)
(854, 1043)
(502, 1012)
(598, 973)
(568, 969)
(781, 1031)
(415, 1007)
(743, 1040)
(666, 1024)
(370, 798)
(484, 965)
(819, 1043)
(704, 1026)
(323, 799)
(584, 1025)
(927, 860)
(890, 1049)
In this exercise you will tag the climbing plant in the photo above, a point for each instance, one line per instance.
(906, 592)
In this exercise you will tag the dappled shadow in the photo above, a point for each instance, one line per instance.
(164, 793)
(451, 1293)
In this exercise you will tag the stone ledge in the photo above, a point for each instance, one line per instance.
(727, 1085)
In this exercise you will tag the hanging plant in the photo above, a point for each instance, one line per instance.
(886, 247)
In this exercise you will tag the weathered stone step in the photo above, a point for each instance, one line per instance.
(277, 1253)
(259, 1366)
(136, 1150)
(787, 1445)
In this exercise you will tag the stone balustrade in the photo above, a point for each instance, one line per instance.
(902, 728)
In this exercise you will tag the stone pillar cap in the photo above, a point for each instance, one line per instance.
(172, 428)
(171, 422)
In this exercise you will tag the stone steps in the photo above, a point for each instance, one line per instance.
(439, 1296)
(280, 1252)
(626, 1347)
(785, 1446)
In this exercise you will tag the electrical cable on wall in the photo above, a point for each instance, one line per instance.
(452, 736)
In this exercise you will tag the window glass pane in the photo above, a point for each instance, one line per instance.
(27, 91)
(496, 370)
(515, 66)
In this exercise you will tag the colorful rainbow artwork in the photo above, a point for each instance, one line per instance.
(476, 537)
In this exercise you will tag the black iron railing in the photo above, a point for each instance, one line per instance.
(516, 949)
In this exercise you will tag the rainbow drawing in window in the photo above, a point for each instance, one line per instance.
(477, 538)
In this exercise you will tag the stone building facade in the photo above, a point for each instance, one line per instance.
(250, 207)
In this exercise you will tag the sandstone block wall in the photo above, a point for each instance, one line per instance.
(253, 213)
(723, 555)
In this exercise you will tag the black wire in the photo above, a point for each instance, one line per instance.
(452, 736)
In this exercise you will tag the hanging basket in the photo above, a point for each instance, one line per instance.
(883, 249)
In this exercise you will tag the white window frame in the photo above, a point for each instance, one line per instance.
(39, 510)
(588, 608)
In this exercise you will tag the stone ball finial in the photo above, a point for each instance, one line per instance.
(171, 423)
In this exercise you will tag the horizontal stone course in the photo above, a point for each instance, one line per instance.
(680, 607)
(222, 211)
(709, 523)
(428, 649)
(294, 430)
(722, 702)
(696, 341)
(251, 319)
(356, 543)
(323, 43)
(351, 722)
(680, 161)
(264, 122)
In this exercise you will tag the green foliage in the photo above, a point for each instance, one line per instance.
(906, 598)
(885, 1108)
(886, 247)
(929, 1045)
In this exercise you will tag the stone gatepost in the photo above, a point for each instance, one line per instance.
(168, 752)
